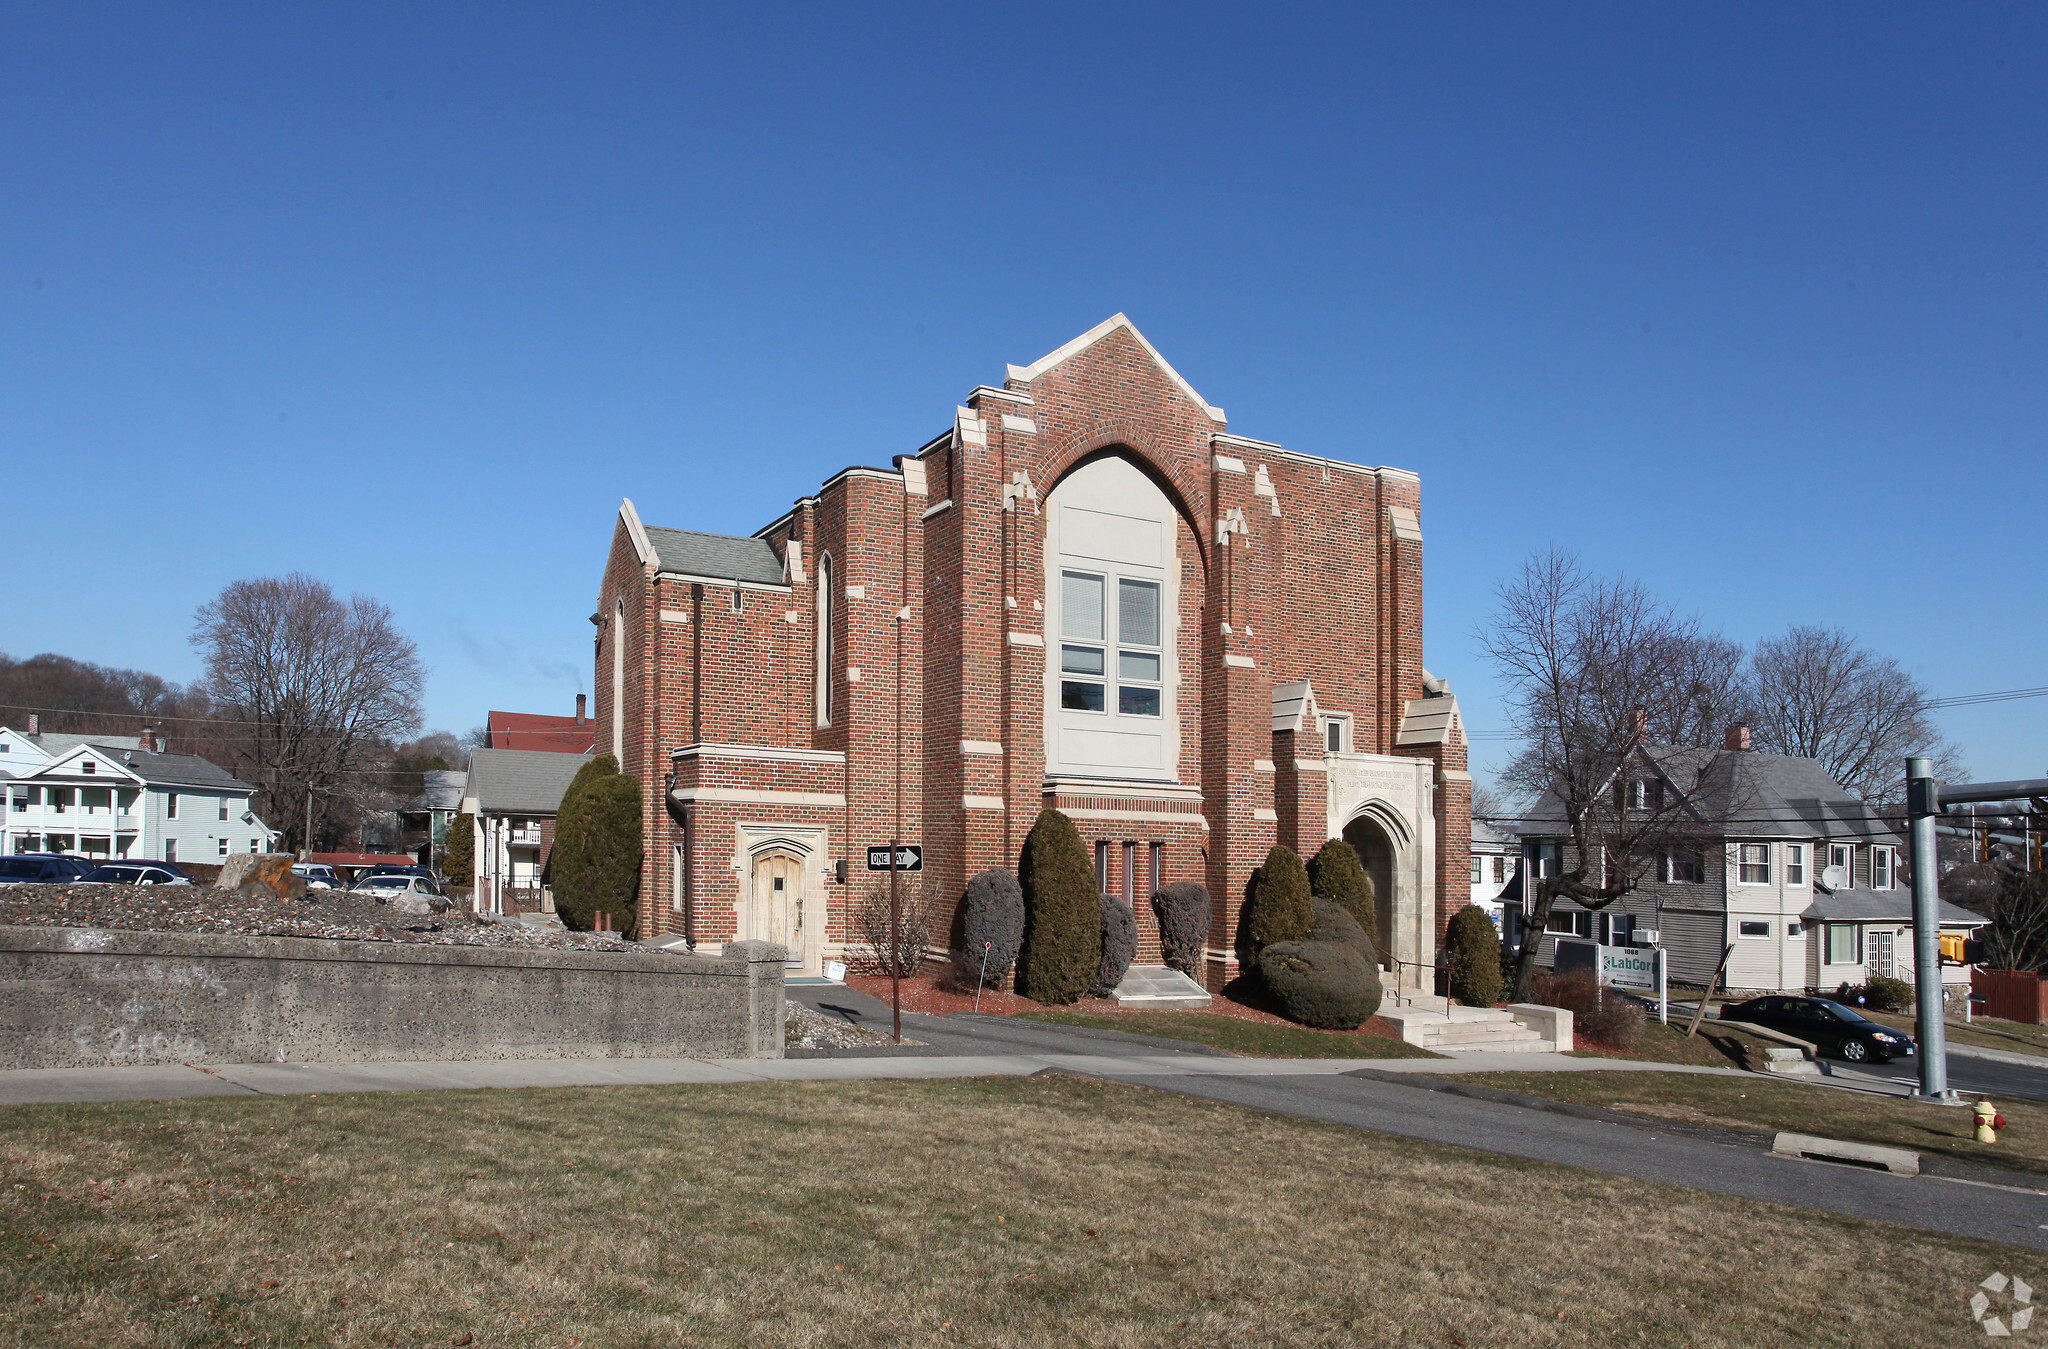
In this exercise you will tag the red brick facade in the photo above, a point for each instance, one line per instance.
(1286, 568)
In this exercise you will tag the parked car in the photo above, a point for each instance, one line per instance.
(1828, 1026)
(391, 884)
(134, 873)
(42, 868)
(393, 869)
(317, 876)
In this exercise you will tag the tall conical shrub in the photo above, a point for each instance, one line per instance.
(595, 866)
(1336, 873)
(1062, 912)
(1279, 907)
(1474, 949)
(458, 854)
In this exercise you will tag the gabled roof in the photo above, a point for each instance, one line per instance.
(154, 770)
(1759, 795)
(1101, 330)
(520, 781)
(536, 730)
(715, 557)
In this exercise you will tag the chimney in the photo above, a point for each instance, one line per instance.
(1738, 738)
(579, 709)
(35, 723)
(148, 739)
(1639, 724)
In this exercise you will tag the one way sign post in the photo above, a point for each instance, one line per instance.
(907, 857)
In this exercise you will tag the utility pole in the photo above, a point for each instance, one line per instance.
(1926, 796)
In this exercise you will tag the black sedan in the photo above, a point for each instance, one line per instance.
(134, 873)
(1828, 1026)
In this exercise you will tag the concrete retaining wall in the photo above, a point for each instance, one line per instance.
(77, 997)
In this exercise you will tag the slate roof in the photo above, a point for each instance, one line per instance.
(185, 770)
(1760, 795)
(521, 781)
(723, 556)
(1483, 832)
(1880, 906)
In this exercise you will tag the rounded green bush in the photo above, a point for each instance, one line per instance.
(1325, 984)
(1474, 949)
(1183, 910)
(1280, 907)
(1336, 873)
(991, 929)
(1062, 913)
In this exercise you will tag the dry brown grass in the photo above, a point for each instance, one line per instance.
(1043, 1211)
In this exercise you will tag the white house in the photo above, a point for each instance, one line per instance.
(90, 798)
(1495, 855)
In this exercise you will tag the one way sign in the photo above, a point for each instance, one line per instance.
(909, 857)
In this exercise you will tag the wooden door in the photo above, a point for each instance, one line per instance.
(778, 904)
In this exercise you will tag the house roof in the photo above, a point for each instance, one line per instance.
(520, 781)
(58, 743)
(155, 770)
(536, 730)
(1486, 835)
(1759, 795)
(721, 557)
(443, 790)
(1863, 905)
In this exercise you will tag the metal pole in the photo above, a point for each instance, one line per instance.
(895, 942)
(1923, 802)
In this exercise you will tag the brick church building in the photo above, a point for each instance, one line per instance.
(1086, 593)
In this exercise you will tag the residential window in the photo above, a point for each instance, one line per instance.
(253, 845)
(223, 847)
(1616, 929)
(1478, 870)
(1751, 927)
(60, 799)
(223, 807)
(1500, 870)
(1795, 930)
(1881, 868)
(1843, 855)
(170, 850)
(1157, 876)
(170, 808)
(1795, 864)
(1845, 944)
(88, 766)
(1753, 864)
(1337, 733)
(1570, 923)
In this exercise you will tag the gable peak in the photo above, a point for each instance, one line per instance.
(1114, 323)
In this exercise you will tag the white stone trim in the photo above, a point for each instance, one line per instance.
(728, 582)
(1025, 374)
(637, 532)
(674, 616)
(939, 509)
(1244, 443)
(913, 476)
(1402, 519)
(1263, 766)
(1237, 662)
(1122, 787)
(853, 674)
(1003, 395)
(1265, 816)
(1455, 775)
(1326, 462)
(1310, 766)
(793, 562)
(759, 753)
(749, 796)
(982, 802)
(1026, 639)
(980, 747)
(856, 592)
(1226, 464)
(1021, 425)
(1155, 816)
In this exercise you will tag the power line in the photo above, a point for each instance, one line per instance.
(1977, 699)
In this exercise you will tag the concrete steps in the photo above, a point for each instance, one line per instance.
(1158, 988)
(1433, 1024)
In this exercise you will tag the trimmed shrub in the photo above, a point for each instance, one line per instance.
(1119, 946)
(1325, 984)
(1474, 947)
(1888, 995)
(1597, 1013)
(1333, 922)
(1279, 908)
(1062, 913)
(458, 854)
(595, 867)
(1336, 873)
(1184, 912)
(991, 912)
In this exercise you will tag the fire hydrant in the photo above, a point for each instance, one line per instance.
(1989, 1121)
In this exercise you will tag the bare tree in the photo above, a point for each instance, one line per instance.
(1598, 672)
(317, 687)
(1819, 694)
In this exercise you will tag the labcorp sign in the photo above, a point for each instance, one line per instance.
(1639, 969)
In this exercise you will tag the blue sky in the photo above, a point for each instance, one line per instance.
(1746, 301)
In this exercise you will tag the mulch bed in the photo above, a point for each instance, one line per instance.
(926, 995)
(329, 914)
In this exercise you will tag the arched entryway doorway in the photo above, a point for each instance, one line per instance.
(1369, 839)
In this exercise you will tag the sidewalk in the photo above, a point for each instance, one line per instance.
(26, 1086)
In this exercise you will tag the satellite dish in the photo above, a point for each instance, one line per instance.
(1835, 878)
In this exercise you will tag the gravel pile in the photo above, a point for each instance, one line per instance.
(332, 914)
(807, 1029)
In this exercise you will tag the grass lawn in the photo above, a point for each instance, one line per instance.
(1039, 1211)
(1254, 1038)
(1714, 1047)
(1757, 1102)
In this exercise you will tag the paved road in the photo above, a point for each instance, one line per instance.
(1973, 1076)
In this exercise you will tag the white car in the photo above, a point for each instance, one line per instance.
(410, 894)
(316, 876)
